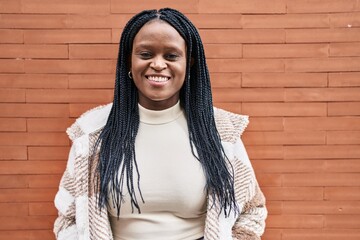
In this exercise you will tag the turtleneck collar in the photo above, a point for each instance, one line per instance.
(159, 117)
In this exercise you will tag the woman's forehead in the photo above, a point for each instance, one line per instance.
(157, 32)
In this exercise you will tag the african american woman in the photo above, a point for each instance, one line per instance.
(160, 162)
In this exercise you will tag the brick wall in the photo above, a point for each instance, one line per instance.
(292, 65)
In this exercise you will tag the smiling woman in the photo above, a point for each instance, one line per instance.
(158, 64)
(160, 162)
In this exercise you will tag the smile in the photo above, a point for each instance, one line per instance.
(158, 78)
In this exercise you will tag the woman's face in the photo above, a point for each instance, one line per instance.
(158, 65)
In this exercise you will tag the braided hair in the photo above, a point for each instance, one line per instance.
(116, 143)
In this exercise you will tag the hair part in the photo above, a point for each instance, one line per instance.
(117, 163)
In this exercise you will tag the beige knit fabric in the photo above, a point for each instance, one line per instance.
(79, 217)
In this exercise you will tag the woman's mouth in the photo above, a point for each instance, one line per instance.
(158, 79)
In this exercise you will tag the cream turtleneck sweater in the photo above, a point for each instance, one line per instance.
(171, 180)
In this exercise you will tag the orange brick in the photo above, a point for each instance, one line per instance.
(321, 123)
(70, 66)
(32, 167)
(343, 165)
(13, 181)
(44, 181)
(12, 95)
(66, 6)
(27, 195)
(345, 49)
(58, 21)
(115, 35)
(69, 96)
(77, 109)
(247, 95)
(243, 35)
(245, 65)
(97, 21)
(92, 81)
(13, 153)
(321, 152)
(343, 137)
(231, 107)
(345, 20)
(265, 124)
(272, 234)
(293, 166)
(342, 221)
(284, 109)
(11, 36)
(68, 36)
(48, 153)
(285, 50)
(284, 80)
(285, 138)
(321, 6)
(323, 179)
(344, 64)
(351, 79)
(320, 207)
(25, 222)
(293, 193)
(295, 221)
(34, 110)
(42, 209)
(322, 35)
(13, 6)
(11, 66)
(33, 81)
(12, 124)
(33, 21)
(33, 51)
(269, 180)
(44, 139)
(321, 234)
(216, 20)
(223, 50)
(13, 209)
(127, 6)
(264, 152)
(233, 6)
(274, 207)
(27, 234)
(322, 94)
(342, 193)
(225, 80)
(344, 109)
(286, 21)
(48, 124)
(92, 51)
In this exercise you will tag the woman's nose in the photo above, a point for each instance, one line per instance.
(158, 64)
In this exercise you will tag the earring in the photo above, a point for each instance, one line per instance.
(129, 74)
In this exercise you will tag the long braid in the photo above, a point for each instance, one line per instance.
(117, 160)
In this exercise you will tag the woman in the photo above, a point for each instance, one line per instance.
(160, 162)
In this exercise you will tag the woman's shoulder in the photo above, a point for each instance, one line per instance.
(89, 122)
(230, 125)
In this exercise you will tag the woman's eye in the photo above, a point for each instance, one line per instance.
(145, 55)
(172, 56)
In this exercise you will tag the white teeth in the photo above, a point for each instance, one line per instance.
(158, 79)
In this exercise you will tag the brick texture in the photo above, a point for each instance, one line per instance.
(293, 66)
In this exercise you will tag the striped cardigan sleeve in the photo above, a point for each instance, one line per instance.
(65, 223)
(250, 224)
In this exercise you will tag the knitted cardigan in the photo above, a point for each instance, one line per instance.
(80, 218)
